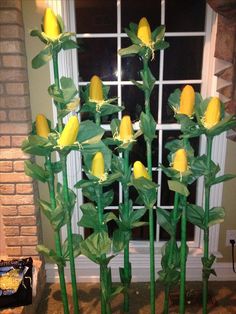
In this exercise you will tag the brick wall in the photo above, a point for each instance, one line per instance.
(19, 218)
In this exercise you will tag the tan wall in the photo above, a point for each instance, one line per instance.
(40, 101)
(229, 202)
(39, 81)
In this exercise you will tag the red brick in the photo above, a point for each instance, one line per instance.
(17, 199)
(19, 165)
(3, 115)
(13, 46)
(17, 89)
(15, 102)
(14, 61)
(13, 251)
(12, 231)
(16, 141)
(15, 4)
(28, 230)
(29, 251)
(16, 177)
(1, 88)
(24, 189)
(13, 153)
(26, 210)
(5, 141)
(13, 75)
(7, 188)
(20, 221)
(19, 115)
(10, 17)
(15, 128)
(9, 210)
(22, 240)
(6, 166)
(11, 32)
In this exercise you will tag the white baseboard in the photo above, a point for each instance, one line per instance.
(87, 271)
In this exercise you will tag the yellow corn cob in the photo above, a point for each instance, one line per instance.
(180, 162)
(126, 129)
(212, 113)
(95, 89)
(70, 132)
(140, 171)
(187, 101)
(51, 26)
(98, 165)
(144, 31)
(42, 127)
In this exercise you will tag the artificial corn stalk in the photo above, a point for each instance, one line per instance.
(180, 162)
(187, 101)
(144, 32)
(51, 26)
(212, 113)
(42, 127)
(69, 133)
(140, 171)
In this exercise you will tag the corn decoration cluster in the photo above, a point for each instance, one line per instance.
(102, 168)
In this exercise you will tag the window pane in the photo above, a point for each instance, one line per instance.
(183, 59)
(133, 101)
(167, 112)
(167, 196)
(95, 16)
(99, 57)
(130, 66)
(134, 10)
(185, 15)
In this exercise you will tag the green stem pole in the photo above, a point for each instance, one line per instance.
(57, 83)
(51, 187)
(206, 230)
(183, 257)
(63, 158)
(127, 273)
(147, 95)
(105, 305)
(170, 257)
(98, 118)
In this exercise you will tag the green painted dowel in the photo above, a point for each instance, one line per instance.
(126, 249)
(63, 158)
(57, 237)
(206, 230)
(98, 118)
(170, 257)
(183, 258)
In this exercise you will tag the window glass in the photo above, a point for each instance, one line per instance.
(95, 16)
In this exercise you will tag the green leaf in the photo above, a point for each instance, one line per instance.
(148, 126)
(147, 190)
(96, 245)
(69, 44)
(195, 215)
(89, 133)
(123, 278)
(36, 172)
(43, 57)
(108, 217)
(133, 36)
(178, 187)
(46, 208)
(223, 178)
(56, 167)
(51, 255)
(136, 215)
(164, 220)
(37, 33)
(174, 99)
(158, 33)
(129, 51)
(37, 145)
(148, 79)
(216, 216)
(139, 85)
(108, 198)
(119, 240)
(77, 239)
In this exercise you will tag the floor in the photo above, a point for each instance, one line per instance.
(222, 299)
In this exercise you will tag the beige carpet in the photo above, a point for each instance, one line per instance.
(222, 299)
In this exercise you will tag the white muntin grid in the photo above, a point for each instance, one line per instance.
(160, 82)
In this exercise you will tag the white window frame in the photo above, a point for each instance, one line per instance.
(139, 249)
